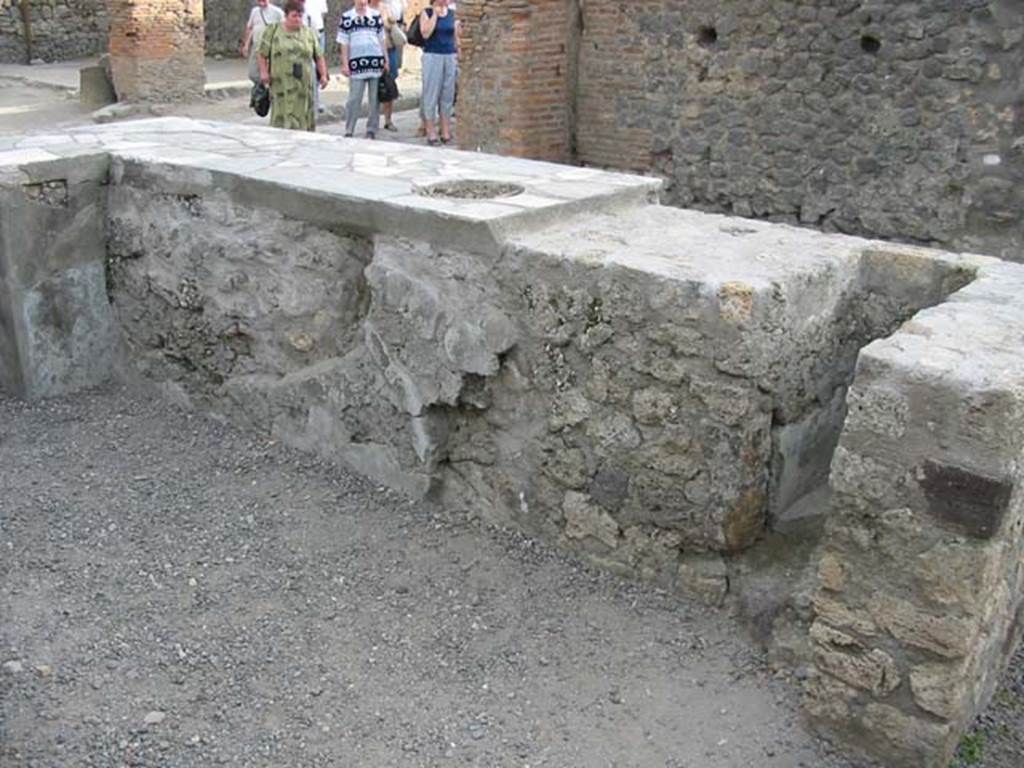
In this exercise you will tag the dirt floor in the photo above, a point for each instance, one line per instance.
(178, 593)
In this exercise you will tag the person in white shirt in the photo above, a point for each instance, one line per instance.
(262, 15)
(316, 11)
(313, 17)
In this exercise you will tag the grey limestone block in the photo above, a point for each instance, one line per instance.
(57, 334)
(920, 559)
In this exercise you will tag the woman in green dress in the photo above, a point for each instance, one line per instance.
(287, 53)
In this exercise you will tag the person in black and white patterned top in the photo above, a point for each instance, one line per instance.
(363, 60)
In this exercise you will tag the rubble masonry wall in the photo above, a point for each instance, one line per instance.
(898, 120)
(921, 570)
(61, 29)
(648, 387)
(632, 416)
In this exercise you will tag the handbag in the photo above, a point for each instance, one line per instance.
(259, 99)
(387, 88)
(414, 36)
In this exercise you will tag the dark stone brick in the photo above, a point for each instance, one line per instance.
(972, 503)
(609, 488)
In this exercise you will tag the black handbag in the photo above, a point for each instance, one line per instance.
(387, 88)
(414, 36)
(259, 99)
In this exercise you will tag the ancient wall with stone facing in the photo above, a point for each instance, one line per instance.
(69, 29)
(60, 29)
(899, 120)
(921, 574)
(223, 23)
(635, 416)
(650, 387)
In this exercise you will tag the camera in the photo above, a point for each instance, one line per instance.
(297, 70)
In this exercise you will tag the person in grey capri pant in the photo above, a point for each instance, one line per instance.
(440, 65)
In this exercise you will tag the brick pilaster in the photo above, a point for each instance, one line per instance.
(156, 49)
(515, 85)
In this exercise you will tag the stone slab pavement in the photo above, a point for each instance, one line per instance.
(222, 74)
(362, 175)
(45, 96)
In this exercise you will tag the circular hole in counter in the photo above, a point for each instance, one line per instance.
(470, 189)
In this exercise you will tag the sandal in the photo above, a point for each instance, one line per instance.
(390, 127)
(446, 139)
(432, 142)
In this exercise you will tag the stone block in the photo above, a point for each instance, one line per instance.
(968, 501)
(57, 334)
(832, 573)
(905, 741)
(847, 659)
(940, 689)
(947, 636)
(704, 577)
(836, 613)
(585, 520)
(830, 701)
(94, 87)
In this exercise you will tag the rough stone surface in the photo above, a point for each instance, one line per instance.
(56, 331)
(60, 29)
(938, 589)
(634, 382)
(894, 120)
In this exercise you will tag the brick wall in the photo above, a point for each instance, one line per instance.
(613, 126)
(156, 49)
(515, 81)
(899, 119)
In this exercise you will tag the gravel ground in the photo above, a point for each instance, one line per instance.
(997, 738)
(175, 592)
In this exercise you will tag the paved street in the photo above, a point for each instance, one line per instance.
(45, 97)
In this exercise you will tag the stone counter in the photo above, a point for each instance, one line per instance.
(656, 389)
